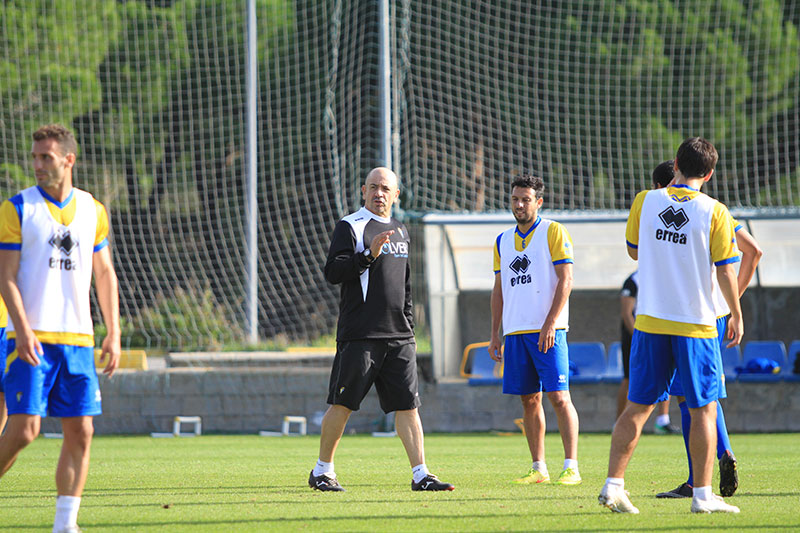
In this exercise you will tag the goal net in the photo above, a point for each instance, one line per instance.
(590, 95)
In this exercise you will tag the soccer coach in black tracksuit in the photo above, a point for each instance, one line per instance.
(375, 343)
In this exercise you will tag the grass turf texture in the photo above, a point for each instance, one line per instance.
(249, 483)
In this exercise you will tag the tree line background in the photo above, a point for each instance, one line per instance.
(589, 94)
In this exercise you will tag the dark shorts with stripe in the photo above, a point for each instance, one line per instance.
(390, 364)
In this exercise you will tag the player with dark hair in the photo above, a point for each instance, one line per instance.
(728, 465)
(53, 237)
(532, 283)
(661, 177)
(663, 174)
(678, 235)
(368, 257)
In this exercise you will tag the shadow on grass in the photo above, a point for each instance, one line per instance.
(158, 496)
(404, 517)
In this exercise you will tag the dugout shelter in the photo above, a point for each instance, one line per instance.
(459, 277)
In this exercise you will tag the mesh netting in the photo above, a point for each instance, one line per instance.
(591, 95)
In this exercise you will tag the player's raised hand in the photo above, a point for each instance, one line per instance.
(494, 348)
(110, 349)
(378, 241)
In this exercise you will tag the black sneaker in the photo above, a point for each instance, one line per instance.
(431, 482)
(728, 476)
(669, 429)
(324, 483)
(684, 490)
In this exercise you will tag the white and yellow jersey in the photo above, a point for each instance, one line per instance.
(525, 263)
(3, 315)
(720, 305)
(680, 234)
(56, 241)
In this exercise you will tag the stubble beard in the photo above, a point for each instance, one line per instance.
(524, 219)
(51, 182)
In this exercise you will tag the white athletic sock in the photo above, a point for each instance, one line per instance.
(323, 468)
(541, 467)
(662, 420)
(66, 512)
(420, 471)
(615, 483)
(571, 463)
(702, 493)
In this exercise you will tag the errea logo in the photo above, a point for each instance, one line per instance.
(519, 266)
(62, 240)
(672, 218)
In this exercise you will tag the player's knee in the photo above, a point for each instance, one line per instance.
(23, 435)
(531, 401)
(559, 399)
(79, 434)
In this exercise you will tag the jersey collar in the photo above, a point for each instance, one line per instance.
(518, 232)
(60, 205)
(684, 186)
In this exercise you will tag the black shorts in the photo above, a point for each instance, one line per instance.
(625, 345)
(390, 364)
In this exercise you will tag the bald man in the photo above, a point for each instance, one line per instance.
(368, 258)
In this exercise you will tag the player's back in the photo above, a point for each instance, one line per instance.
(675, 264)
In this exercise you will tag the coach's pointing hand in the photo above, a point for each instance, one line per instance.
(377, 243)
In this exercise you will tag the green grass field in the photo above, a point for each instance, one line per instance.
(249, 483)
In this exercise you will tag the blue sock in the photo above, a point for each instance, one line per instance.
(723, 441)
(686, 425)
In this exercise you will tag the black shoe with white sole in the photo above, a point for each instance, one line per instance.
(324, 483)
(431, 482)
(684, 490)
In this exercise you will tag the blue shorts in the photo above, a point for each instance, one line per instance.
(526, 370)
(64, 384)
(3, 347)
(655, 358)
(676, 388)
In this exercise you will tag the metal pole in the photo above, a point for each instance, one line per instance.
(251, 212)
(385, 86)
(385, 66)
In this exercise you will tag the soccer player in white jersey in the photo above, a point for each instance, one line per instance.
(728, 476)
(678, 234)
(53, 237)
(532, 283)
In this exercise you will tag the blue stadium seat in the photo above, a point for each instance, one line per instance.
(731, 358)
(774, 350)
(614, 371)
(483, 369)
(590, 358)
(794, 353)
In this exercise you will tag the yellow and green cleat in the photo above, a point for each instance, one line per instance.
(533, 476)
(569, 477)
